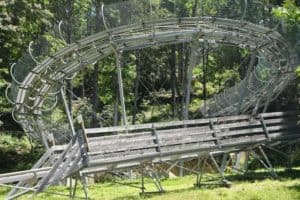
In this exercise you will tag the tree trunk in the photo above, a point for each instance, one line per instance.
(116, 109)
(184, 81)
(95, 101)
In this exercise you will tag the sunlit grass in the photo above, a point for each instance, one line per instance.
(256, 186)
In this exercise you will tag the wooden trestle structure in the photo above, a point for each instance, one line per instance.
(136, 146)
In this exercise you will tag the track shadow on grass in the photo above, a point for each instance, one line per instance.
(128, 198)
(296, 190)
(256, 176)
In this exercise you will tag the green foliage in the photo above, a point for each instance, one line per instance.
(289, 12)
(20, 22)
(16, 153)
(298, 71)
(55, 43)
(10, 143)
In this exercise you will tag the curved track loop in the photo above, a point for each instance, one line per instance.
(268, 43)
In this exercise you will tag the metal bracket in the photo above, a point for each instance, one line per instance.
(265, 128)
(212, 127)
(156, 140)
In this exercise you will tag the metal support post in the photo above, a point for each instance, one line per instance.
(192, 64)
(254, 111)
(118, 55)
(70, 120)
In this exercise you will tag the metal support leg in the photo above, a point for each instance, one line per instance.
(216, 165)
(200, 175)
(224, 162)
(246, 163)
(268, 162)
(71, 187)
(223, 181)
(70, 120)
(83, 183)
(181, 169)
(143, 181)
(118, 55)
(154, 176)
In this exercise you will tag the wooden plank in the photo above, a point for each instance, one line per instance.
(139, 141)
(135, 161)
(121, 154)
(164, 124)
(139, 127)
(23, 175)
(122, 137)
(279, 114)
(242, 124)
(195, 141)
(136, 144)
(186, 133)
(117, 147)
(182, 123)
(163, 134)
(170, 152)
(182, 139)
(131, 146)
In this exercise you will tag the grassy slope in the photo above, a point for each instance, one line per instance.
(255, 187)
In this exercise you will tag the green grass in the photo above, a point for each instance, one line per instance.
(256, 186)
